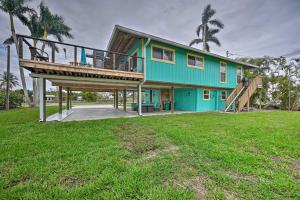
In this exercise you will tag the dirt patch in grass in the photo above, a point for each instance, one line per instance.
(296, 165)
(276, 159)
(230, 196)
(152, 154)
(20, 181)
(241, 177)
(137, 138)
(196, 184)
(71, 181)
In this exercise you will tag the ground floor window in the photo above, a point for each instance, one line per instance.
(206, 94)
(223, 95)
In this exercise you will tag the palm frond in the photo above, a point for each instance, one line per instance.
(208, 12)
(199, 28)
(9, 41)
(217, 23)
(196, 41)
(211, 32)
(214, 40)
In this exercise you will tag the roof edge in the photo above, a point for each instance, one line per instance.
(152, 37)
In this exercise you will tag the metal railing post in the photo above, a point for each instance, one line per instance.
(75, 55)
(114, 61)
(53, 52)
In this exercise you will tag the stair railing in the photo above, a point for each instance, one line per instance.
(253, 85)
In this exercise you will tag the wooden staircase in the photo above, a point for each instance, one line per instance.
(241, 95)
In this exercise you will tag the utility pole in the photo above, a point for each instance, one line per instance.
(7, 81)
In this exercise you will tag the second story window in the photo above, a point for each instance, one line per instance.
(195, 61)
(163, 54)
(206, 94)
(223, 72)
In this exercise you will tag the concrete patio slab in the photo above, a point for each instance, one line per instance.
(94, 112)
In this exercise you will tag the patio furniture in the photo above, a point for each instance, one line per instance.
(38, 54)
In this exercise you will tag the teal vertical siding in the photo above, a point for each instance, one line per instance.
(155, 98)
(137, 47)
(185, 99)
(191, 99)
(180, 73)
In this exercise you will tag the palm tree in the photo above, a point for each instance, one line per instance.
(12, 80)
(17, 8)
(208, 34)
(53, 24)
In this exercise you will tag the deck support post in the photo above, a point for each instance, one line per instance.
(132, 96)
(59, 100)
(68, 99)
(70, 103)
(42, 93)
(124, 99)
(172, 99)
(117, 99)
(140, 99)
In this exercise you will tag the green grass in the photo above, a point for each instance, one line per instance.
(219, 156)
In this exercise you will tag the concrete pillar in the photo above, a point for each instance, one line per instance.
(124, 99)
(60, 100)
(68, 99)
(117, 99)
(172, 99)
(42, 92)
(140, 100)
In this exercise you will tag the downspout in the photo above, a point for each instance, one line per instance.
(145, 56)
(145, 73)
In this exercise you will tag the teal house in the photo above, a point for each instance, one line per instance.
(191, 79)
(194, 80)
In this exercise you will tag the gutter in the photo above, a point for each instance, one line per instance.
(145, 63)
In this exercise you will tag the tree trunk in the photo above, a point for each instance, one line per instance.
(44, 37)
(22, 76)
(204, 37)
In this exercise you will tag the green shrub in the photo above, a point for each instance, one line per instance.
(15, 99)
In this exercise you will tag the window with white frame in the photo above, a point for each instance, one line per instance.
(195, 61)
(223, 72)
(163, 54)
(223, 95)
(206, 94)
(239, 73)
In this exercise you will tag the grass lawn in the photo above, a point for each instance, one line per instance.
(188, 156)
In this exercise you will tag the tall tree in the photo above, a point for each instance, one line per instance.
(204, 33)
(17, 8)
(10, 78)
(53, 24)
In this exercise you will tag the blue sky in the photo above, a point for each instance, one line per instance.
(252, 27)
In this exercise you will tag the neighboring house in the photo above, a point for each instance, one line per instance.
(50, 98)
(166, 74)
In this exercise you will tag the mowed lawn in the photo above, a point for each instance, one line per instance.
(188, 156)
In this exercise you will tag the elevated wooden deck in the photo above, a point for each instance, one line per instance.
(40, 67)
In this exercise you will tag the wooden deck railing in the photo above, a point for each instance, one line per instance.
(66, 53)
(253, 85)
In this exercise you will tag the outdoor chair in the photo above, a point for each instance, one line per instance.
(38, 54)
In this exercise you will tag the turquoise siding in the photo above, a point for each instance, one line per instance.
(155, 98)
(185, 99)
(137, 47)
(191, 99)
(180, 73)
